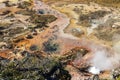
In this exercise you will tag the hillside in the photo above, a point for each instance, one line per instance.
(59, 40)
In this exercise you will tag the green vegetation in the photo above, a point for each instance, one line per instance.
(116, 74)
(104, 35)
(24, 4)
(6, 12)
(4, 25)
(84, 19)
(50, 46)
(42, 20)
(34, 48)
(93, 15)
(118, 78)
(106, 32)
(33, 67)
(73, 54)
(28, 12)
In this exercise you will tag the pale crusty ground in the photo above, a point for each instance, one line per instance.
(67, 41)
(74, 17)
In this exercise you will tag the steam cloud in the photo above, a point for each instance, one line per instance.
(103, 59)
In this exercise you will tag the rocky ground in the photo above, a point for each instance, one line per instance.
(59, 40)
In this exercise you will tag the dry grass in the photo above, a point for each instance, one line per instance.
(111, 3)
